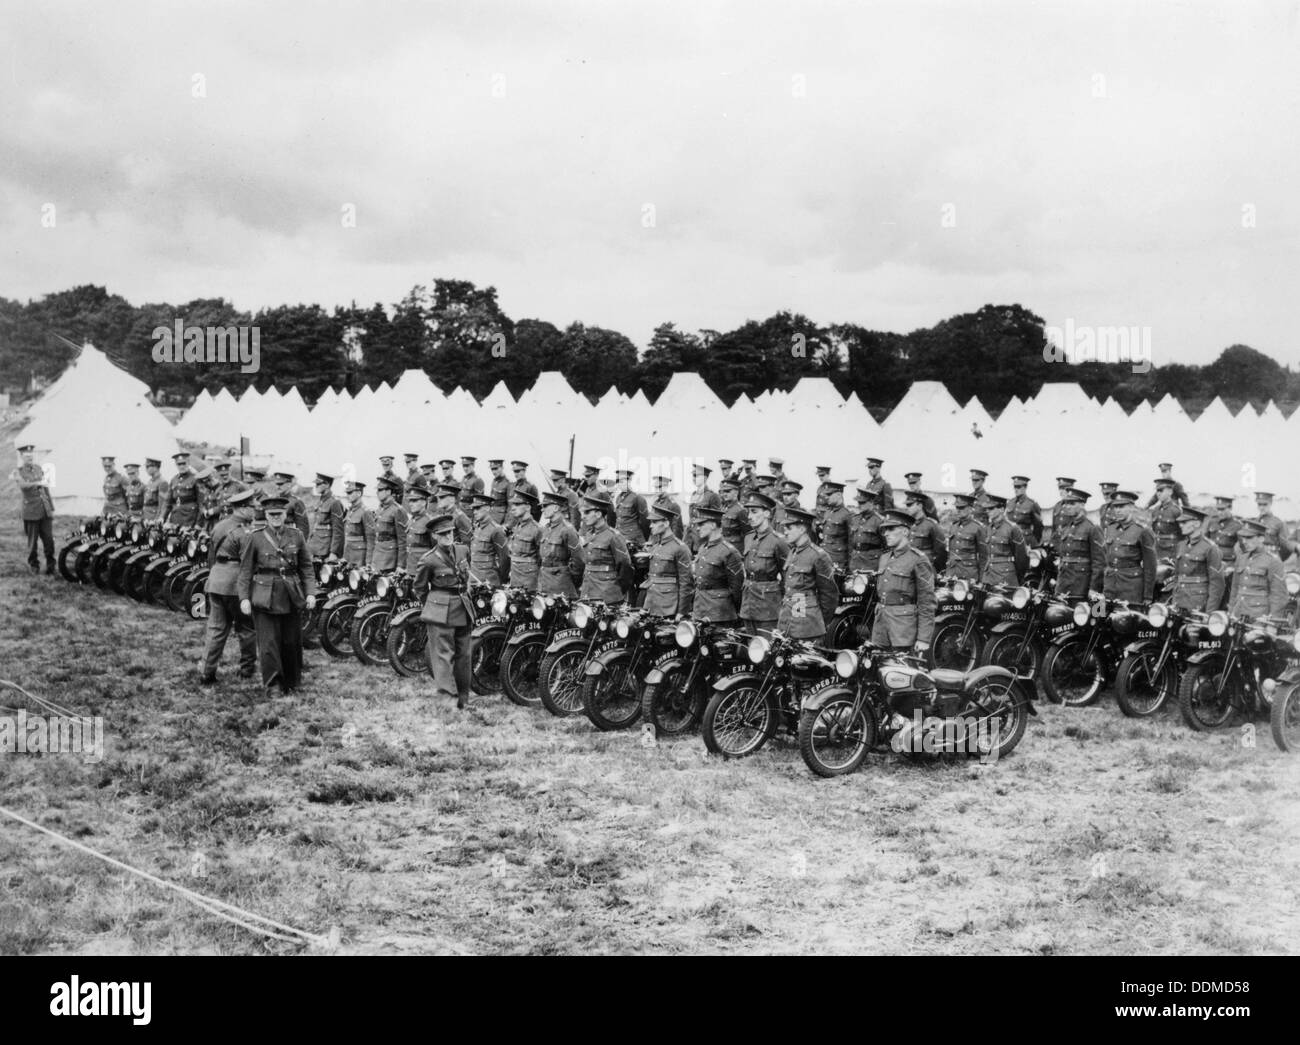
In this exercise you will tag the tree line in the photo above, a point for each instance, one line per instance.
(459, 335)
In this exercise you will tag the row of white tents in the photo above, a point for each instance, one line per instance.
(96, 408)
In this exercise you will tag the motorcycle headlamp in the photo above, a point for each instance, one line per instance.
(137, 531)
(1020, 598)
(581, 615)
(192, 547)
(119, 530)
(354, 579)
(622, 628)
(84, 528)
(1218, 623)
(1082, 611)
(1035, 559)
(685, 634)
(1293, 583)
(960, 589)
(846, 663)
(326, 573)
(757, 650)
(1295, 642)
(381, 587)
(172, 542)
(538, 607)
(500, 603)
(859, 583)
(1157, 614)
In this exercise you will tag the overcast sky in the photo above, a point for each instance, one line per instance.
(1094, 161)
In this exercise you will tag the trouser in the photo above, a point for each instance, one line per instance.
(753, 626)
(39, 530)
(448, 652)
(279, 647)
(223, 614)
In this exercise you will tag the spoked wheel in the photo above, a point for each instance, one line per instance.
(336, 629)
(836, 737)
(560, 681)
(1205, 697)
(154, 585)
(739, 721)
(1004, 651)
(485, 661)
(954, 647)
(675, 704)
(83, 564)
(1140, 690)
(99, 566)
(68, 556)
(133, 578)
(519, 672)
(612, 699)
(1285, 717)
(1073, 676)
(999, 717)
(368, 633)
(406, 647)
(115, 574)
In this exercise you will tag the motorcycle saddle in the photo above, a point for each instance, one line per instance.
(949, 679)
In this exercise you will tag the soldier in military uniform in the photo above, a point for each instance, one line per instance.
(225, 555)
(1064, 484)
(489, 558)
(914, 487)
(419, 538)
(1178, 493)
(877, 484)
(37, 508)
(114, 489)
(326, 541)
(968, 549)
(979, 496)
(133, 490)
(718, 571)
(358, 527)
(442, 583)
(788, 490)
(776, 465)
(522, 482)
(735, 520)
(609, 564)
(525, 541)
(449, 504)
(810, 593)
(183, 497)
(865, 541)
(1164, 520)
(835, 520)
(1198, 581)
(561, 483)
(664, 499)
(275, 583)
(669, 587)
(1080, 549)
(1221, 528)
(1105, 514)
(820, 499)
(926, 536)
(157, 491)
(905, 590)
(500, 490)
(560, 553)
(390, 526)
(748, 477)
(296, 509)
(413, 469)
(448, 467)
(221, 486)
(386, 472)
(1275, 536)
(590, 481)
(764, 563)
(1130, 554)
(631, 514)
(1024, 512)
(726, 469)
(1258, 583)
(1008, 557)
(471, 482)
(702, 497)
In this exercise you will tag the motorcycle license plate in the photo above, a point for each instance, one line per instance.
(369, 600)
(567, 633)
(1013, 617)
(1061, 629)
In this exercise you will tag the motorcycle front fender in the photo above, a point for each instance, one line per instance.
(1022, 687)
(822, 697)
(598, 664)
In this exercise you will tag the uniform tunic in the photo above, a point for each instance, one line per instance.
(157, 494)
(225, 554)
(983, 502)
(1276, 540)
(469, 486)
(1164, 524)
(327, 528)
(418, 540)
(866, 545)
(905, 589)
(1130, 563)
(390, 537)
(277, 567)
(525, 554)
(37, 512)
(764, 561)
(669, 586)
(883, 491)
(835, 535)
(114, 494)
(1198, 576)
(608, 564)
(440, 582)
(1223, 532)
(134, 490)
(631, 518)
(719, 581)
(810, 594)
(489, 558)
(1258, 586)
(675, 524)
(822, 503)
(701, 498)
(1080, 558)
(735, 524)
(968, 550)
(1025, 513)
(183, 498)
(927, 537)
(358, 534)
(561, 559)
(1008, 558)
(502, 488)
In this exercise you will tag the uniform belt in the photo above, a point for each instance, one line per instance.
(1127, 562)
(717, 591)
(226, 558)
(1001, 558)
(897, 598)
(281, 571)
(1073, 561)
(386, 538)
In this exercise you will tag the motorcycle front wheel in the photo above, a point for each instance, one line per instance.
(950, 650)
(739, 721)
(1205, 698)
(1285, 718)
(405, 645)
(560, 681)
(835, 738)
(1139, 690)
(519, 671)
(612, 699)
(1072, 676)
(674, 704)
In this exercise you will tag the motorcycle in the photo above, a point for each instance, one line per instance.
(149, 550)
(368, 632)
(560, 674)
(183, 586)
(851, 623)
(958, 637)
(1153, 662)
(881, 696)
(1082, 660)
(156, 572)
(336, 614)
(611, 684)
(677, 688)
(78, 543)
(1015, 642)
(509, 609)
(749, 707)
(1236, 667)
(1284, 719)
(522, 657)
(114, 564)
(92, 565)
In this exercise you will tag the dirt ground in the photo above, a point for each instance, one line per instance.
(361, 804)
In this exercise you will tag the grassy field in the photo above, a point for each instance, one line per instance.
(413, 828)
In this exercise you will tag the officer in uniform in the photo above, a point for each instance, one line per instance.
(390, 526)
(37, 508)
(1064, 484)
(735, 520)
(1023, 511)
(1198, 581)
(524, 545)
(865, 541)
(448, 467)
(1222, 529)
(521, 483)
(297, 511)
(926, 536)
(419, 537)
(326, 541)
(877, 484)
(1164, 520)
(747, 477)
(561, 483)
(979, 496)
(1105, 514)
(905, 590)
(441, 583)
(226, 485)
(669, 588)
(358, 527)
(1258, 583)
(764, 562)
(1275, 537)
(776, 465)
(631, 514)
(157, 491)
(590, 481)
(718, 570)
(183, 497)
(500, 489)
(489, 558)
(114, 489)
(386, 472)
(275, 582)
(133, 490)
(927, 502)
(1179, 494)
(789, 492)
(810, 592)
(726, 469)
(1008, 557)
(968, 548)
(609, 565)
(1079, 547)
(664, 499)
(449, 504)
(835, 524)
(820, 500)
(702, 497)
(225, 554)
(413, 469)
(1130, 554)
(560, 554)
(471, 482)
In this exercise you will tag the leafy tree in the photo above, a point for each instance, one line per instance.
(597, 358)
(671, 351)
